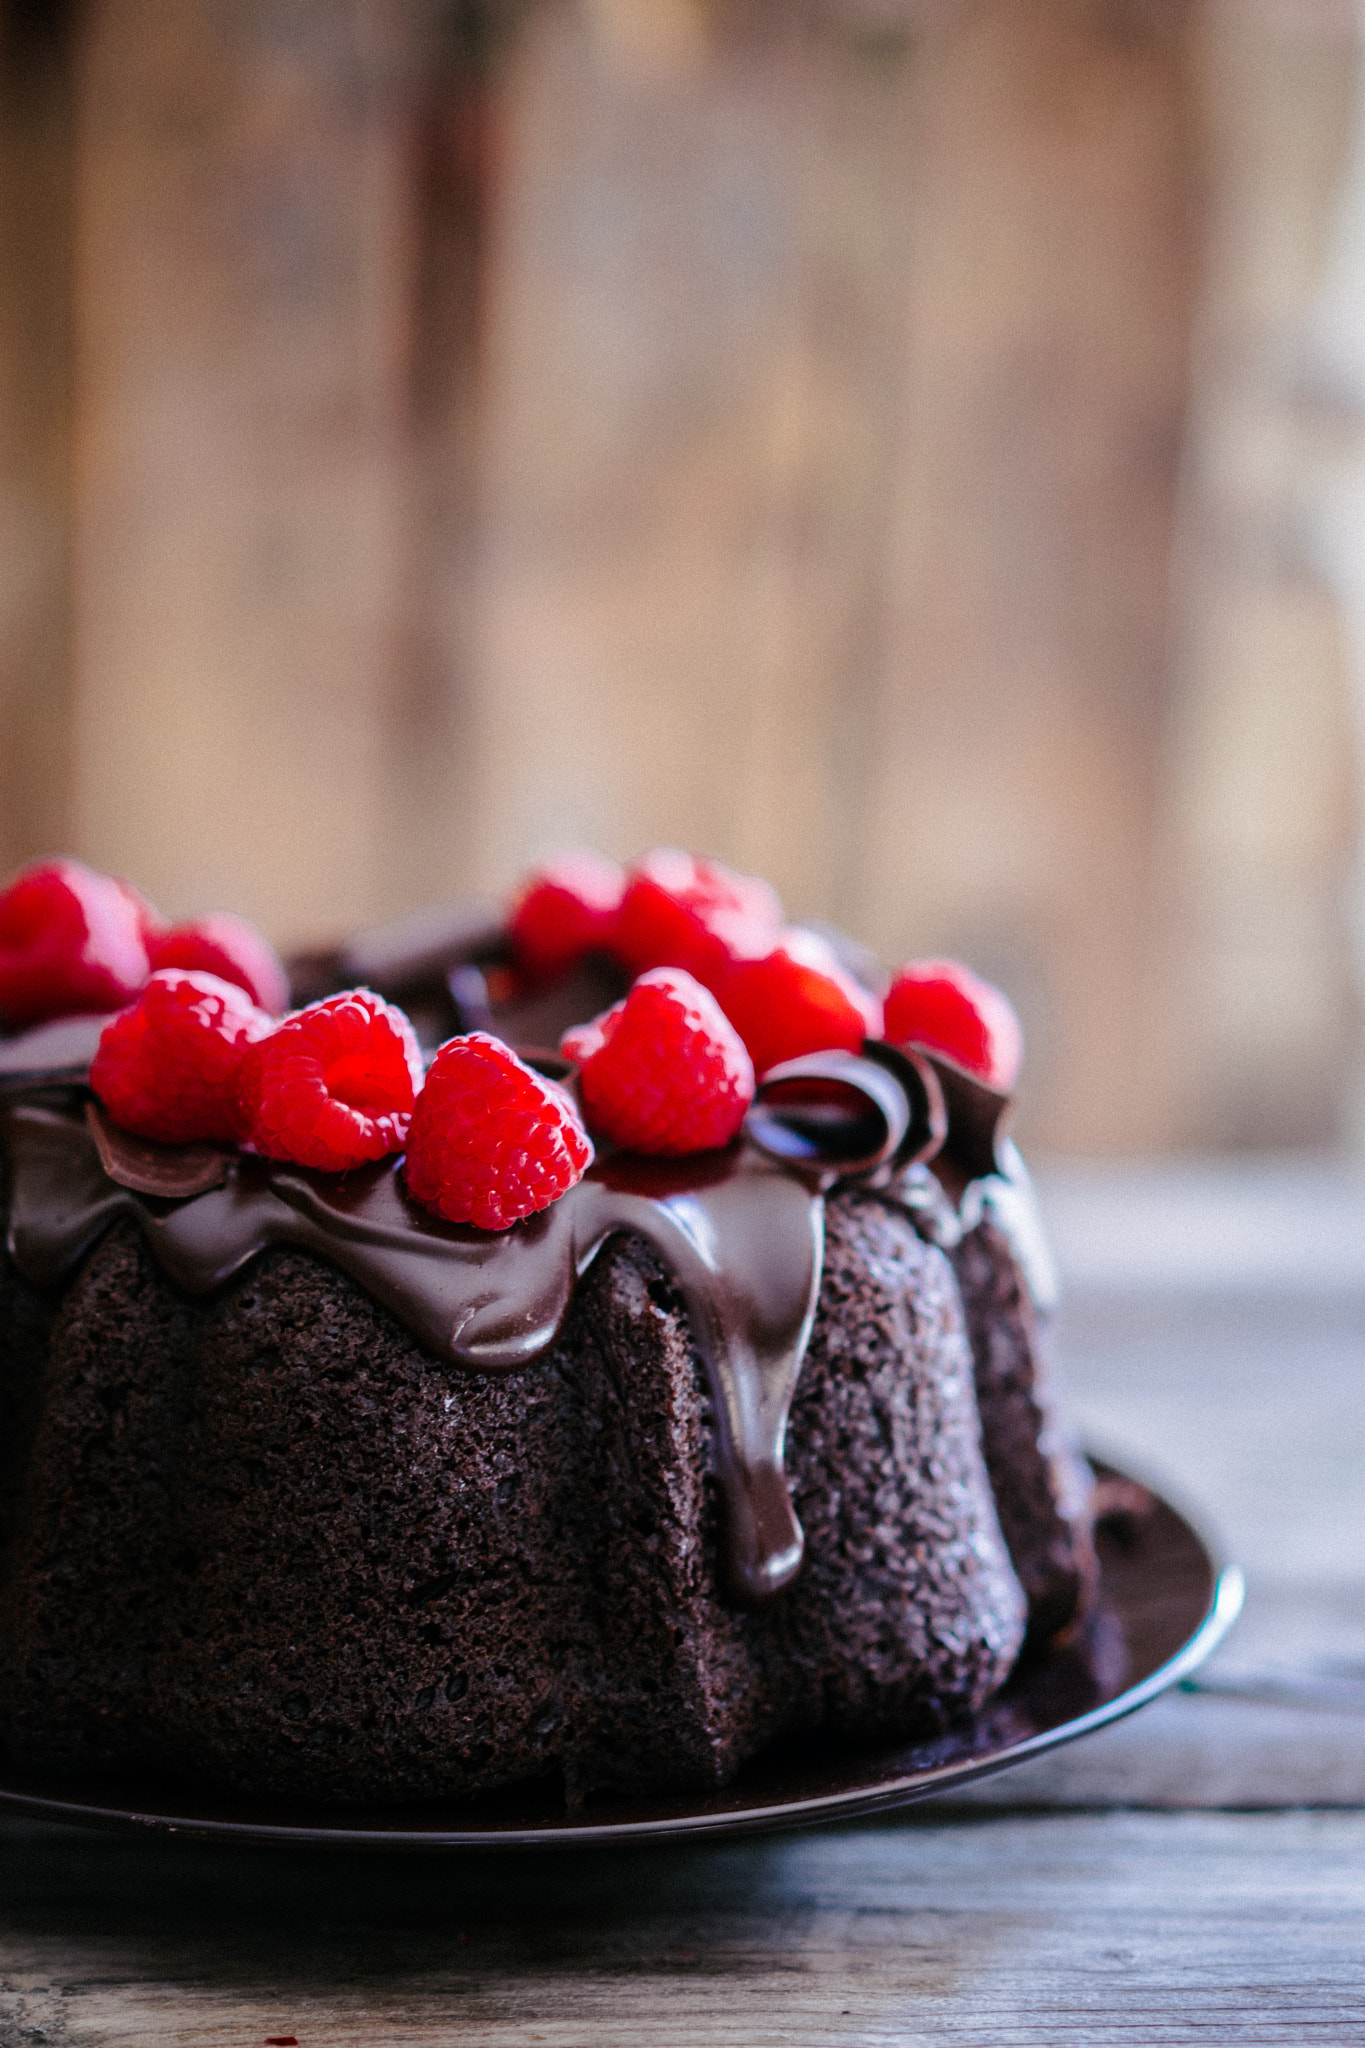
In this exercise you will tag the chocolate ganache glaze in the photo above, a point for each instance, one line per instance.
(742, 1231)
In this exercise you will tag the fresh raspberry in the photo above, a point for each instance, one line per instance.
(795, 998)
(168, 1067)
(581, 1041)
(229, 947)
(490, 1140)
(70, 940)
(565, 909)
(333, 1085)
(682, 911)
(665, 1071)
(944, 1006)
(150, 922)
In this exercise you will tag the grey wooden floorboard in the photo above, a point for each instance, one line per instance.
(1013, 1932)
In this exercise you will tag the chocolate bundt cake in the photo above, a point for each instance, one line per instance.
(306, 1491)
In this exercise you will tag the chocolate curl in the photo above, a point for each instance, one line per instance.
(977, 1120)
(845, 1114)
(172, 1171)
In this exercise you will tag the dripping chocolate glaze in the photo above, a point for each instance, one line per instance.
(742, 1231)
(742, 1235)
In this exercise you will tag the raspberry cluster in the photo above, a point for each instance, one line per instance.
(333, 1086)
(722, 991)
(945, 1008)
(74, 941)
(781, 988)
(168, 1067)
(339, 1085)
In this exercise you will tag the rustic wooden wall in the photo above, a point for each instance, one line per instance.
(435, 433)
(244, 289)
(36, 225)
(834, 419)
(1260, 772)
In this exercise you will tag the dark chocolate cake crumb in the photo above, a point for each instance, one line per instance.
(267, 1543)
(1042, 1486)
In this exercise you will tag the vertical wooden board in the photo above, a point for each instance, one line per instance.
(456, 174)
(835, 403)
(1014, 750)
(35, 393)
(1262, 808)
(242, 293)
(686, 440)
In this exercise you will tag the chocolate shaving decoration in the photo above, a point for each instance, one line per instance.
(844, 1114)
(1120, 1506)
(929, 1121)
(977, 1117)
(148, 1168)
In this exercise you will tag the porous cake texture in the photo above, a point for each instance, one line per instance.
(265, 1542)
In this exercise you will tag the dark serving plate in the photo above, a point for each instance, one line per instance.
(1165, 1601)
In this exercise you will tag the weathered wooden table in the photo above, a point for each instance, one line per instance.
(1195, 1874)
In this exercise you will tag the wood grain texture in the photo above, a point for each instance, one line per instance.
(243, 292)
(1021, 1933)
(833, 417)
(1261, 811)
(761, 427)
(36, 199)
(1235, 1372)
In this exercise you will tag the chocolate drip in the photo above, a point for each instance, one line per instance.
(746, 1246)
(743, 1236)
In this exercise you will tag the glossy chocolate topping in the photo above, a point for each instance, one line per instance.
(741, 1230)
(742, 1235)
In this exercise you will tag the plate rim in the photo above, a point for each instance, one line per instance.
(813, 1810)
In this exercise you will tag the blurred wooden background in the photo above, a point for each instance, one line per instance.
(851, 437)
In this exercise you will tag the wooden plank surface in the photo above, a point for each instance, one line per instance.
(1021, 1933)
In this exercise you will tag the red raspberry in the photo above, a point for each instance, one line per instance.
(581, 1041)
(944, 1006)
(70, 940)
(566, 909)
(490, 1140)
(229, 947)
(333, 1085)
(150, 922)
(682, 911)
(168, 1067)
(795, 998)
(664, 1071)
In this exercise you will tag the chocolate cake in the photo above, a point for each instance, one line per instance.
(306, 1492)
